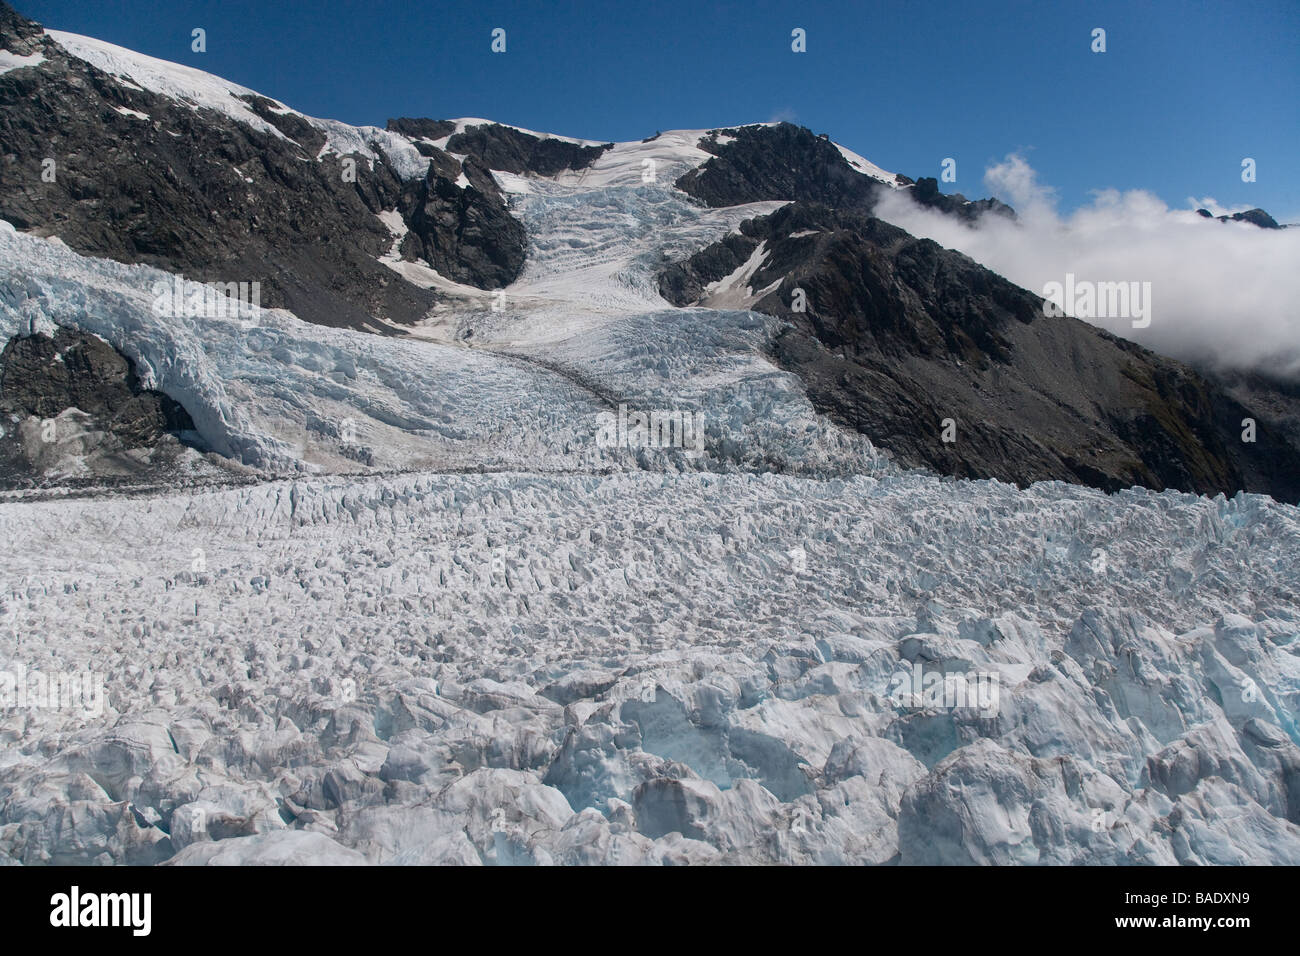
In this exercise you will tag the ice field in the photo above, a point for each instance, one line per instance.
(441, 624)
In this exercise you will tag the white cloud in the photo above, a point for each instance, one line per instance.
(1014, 181)
(1226, 294)
(1212, 205)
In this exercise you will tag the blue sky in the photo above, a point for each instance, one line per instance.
(1183, 93)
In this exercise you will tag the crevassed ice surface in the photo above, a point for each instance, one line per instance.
(612, 656)
(654, 668)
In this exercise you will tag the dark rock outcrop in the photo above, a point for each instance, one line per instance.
(1256, 217)
(926, 192)
(779, 162)
(421, 128)
(788, 162)
(467, 234)
(512, 151)
(72, 399)
(42, 375)
(899, 334)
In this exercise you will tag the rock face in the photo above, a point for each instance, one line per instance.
(71, 403)
(144, 178)
(1256, 217)
(784, 161)
(899, 334)
(466, 233)
(193, 192)
(459, 220)
(418, 128)
(42, 375)
(787, 162)
(926, 192)
(514, 151)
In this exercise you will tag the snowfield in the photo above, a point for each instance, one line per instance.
(446, 625)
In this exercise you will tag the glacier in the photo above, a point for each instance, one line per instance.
(441, 624)
(653, 668)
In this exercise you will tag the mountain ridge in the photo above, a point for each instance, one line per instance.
(378, 229)
(897, 335)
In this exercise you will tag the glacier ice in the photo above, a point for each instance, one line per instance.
(522, 668)
(447, 627)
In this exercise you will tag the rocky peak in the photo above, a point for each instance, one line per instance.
(892, 335)
(926, 192)
(776, 162)
(514, 151)
(1256, 217)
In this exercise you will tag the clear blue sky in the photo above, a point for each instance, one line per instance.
(1183, 93)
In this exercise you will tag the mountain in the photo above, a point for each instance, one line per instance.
(161, 165)
(197, 176)
(898, 334)
(781, 160)
(1256, 217)
(557, 501)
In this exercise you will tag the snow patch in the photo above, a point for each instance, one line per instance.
(663, 160)
(736, 291)
(368, 141)
(12, 61)
(184, 84)
(863, 165)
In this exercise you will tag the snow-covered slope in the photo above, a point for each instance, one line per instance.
(661, 159)
(666, 156)
(677, 150)
(609, 655)
(864, 165)
(181, 83)
(202, 90)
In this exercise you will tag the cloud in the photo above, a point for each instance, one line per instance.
(1013, 180)
(1222, 294)
(783, 115)
(1212, 205)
